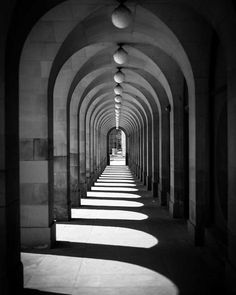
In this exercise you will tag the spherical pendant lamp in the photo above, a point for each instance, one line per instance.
(117, 105)
(121, 17)
(119, 77)
(120, 56)
(118, 98)
(118, 89)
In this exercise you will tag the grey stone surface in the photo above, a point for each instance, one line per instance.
(40, 149)
(26, 150)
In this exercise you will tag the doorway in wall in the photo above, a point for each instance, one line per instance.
(117, 147)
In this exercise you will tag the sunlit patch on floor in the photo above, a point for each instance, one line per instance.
(114, 184)
(117, 189)
(110, 203)
(116, 177)
(113, 195)
(114, 180)
(118, 162)
(107, 214)
(105, 235)
(77, 275)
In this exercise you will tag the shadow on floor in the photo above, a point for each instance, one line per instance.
(195, 271)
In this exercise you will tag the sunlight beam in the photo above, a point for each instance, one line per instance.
(114, 184)
(107, 214)
(105, 235)
(110, 203)
(114, 180)
(79, 275)
(113, 195)
(119, 189)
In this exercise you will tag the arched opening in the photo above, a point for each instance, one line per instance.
(117, 147)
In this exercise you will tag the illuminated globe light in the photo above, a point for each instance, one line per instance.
(121, 17)
(119, 77)
(118, 89)
(117, 105)
(120, 56)
(118, 98)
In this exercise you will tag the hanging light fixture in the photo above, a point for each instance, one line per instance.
(120, 56)
(121, 16)
(118, 89)
(118, 98)
(118, 105)
(119, 77)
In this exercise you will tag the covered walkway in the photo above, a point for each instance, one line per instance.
(117, 146)
(120, 242)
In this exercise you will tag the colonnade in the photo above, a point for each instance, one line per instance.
(178, 112)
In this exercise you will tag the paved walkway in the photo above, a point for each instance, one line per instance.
(120, 242)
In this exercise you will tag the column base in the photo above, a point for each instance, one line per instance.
(62, 213)
(197, 234)
(83, 190)
(62, 205)
(162, 196)
(149, 183)
(137, 171)
(88, 183)
(141, 175)
(38, 237)
(155, 189)
(176, 209)
(144, 178)
(75, 199)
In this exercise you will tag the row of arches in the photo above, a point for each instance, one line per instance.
(79, 97)
(66, 110)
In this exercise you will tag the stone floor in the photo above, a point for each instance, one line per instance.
(120, 242)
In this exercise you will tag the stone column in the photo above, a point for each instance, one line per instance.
(164, 185)
(36, 159)
(88, 159)
(141, 154)
(145, 154)
(199, 160)
(155, 155)
(232, 171)
(82, 161)
(176, 202)
(149, 158)
(11, 269)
